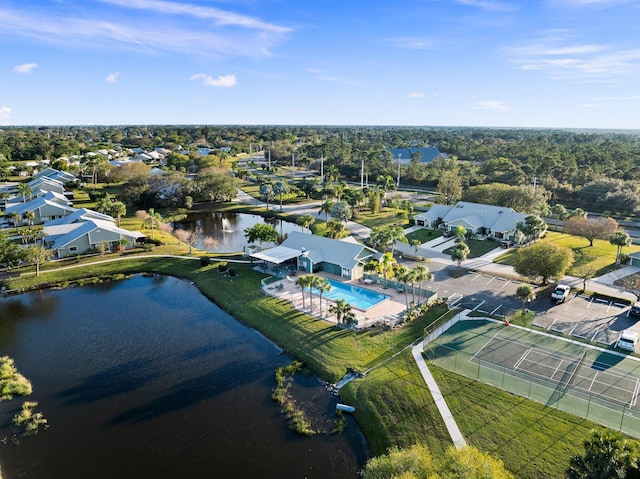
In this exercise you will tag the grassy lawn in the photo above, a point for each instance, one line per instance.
(385, 217)
(532, 439)
(477, 248)
(395, 408)
(423, 235)
(600, 257)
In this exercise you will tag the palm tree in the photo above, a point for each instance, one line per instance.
(267, 193)
(103, 205)
(29, 216)
(153, 221)
(119, 209)
(525, 293)
(322, 285)
(386, 263)
(15, 217)
(305, 221)
(25, 190)
(460, 253)
(607, 456)
(620, 239)
(280, 188)
(326, 208)
(341, 309)
(422, 274)
(405, 275)
(331, 173)
(303, 282)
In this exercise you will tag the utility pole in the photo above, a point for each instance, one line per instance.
(322, 168)
(399, 162)
(362, 176)
(293, 165)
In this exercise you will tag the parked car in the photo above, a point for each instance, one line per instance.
(635, 309)
(561, 293)
(628, 341)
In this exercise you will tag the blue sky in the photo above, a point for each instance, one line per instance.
(548, 63)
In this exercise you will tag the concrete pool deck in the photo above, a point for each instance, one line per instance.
(385, 312)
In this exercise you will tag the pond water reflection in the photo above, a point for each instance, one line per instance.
(146, 378)
(228, 229)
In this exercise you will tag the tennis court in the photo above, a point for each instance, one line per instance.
(566, 370)
(592, 383)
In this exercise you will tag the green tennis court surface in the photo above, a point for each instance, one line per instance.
(567, 370)
(591, 383)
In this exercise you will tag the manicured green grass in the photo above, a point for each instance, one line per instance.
(423, 235)
(385, 217)
(394, 407)
(600, 257)
(533, 440)
(477, 248)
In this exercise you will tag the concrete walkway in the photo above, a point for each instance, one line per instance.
(447, 417)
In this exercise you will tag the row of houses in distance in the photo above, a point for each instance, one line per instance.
(67, 231)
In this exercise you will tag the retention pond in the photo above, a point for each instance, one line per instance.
(146, 378)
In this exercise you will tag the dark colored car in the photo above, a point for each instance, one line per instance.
(635, 309)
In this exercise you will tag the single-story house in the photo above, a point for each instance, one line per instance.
(344, 258)
(47, 184)
(79, 216)
(634, 259)
(488, 221)
(52, 173)
(77, 238)
(47, 207)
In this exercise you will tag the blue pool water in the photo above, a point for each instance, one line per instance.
(357, 297)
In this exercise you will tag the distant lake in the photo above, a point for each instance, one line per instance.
(228, 229)
(146, 378)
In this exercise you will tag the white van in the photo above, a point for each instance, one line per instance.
(628, 341)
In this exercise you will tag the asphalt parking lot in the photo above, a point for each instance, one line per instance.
(582, 317)
(588, 318)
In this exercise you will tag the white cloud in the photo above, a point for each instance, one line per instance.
(221, 81)
(25, 67)
(221, 17)
(563, 58)
(416, 95)
(112, 77)
(491, 105)
(233, 34)
(412, 43)
(488, 5)
(5, 115)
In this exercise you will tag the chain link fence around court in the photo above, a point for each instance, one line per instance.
(567, 392)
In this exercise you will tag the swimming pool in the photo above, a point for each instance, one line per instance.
(357, 297)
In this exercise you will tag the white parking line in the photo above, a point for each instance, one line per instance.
(593, 338)
(505, 283)
(590, 301)
(552, 323)
(491, 313)
(476, 277)
(492, 278)
(480, 304)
